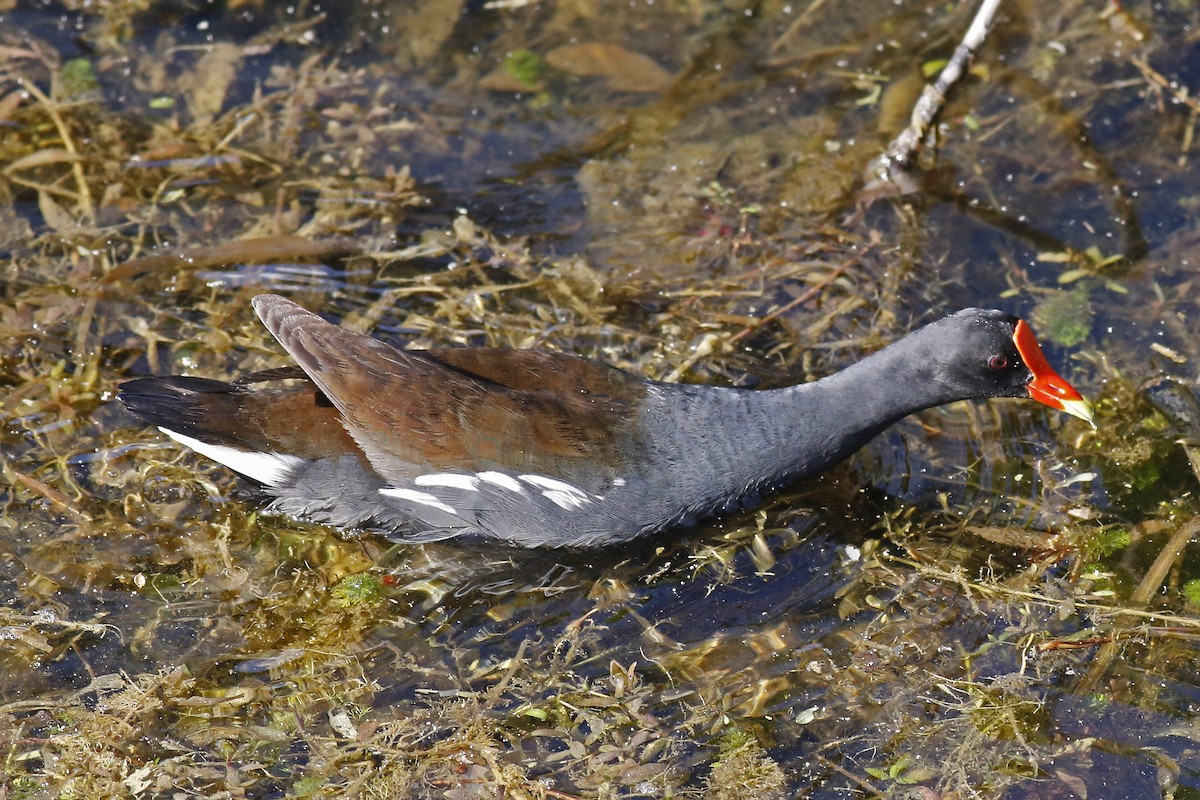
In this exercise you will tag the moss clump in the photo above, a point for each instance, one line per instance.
(526, 67)
(743, 769)
(24, 786)
(307, 787)
(77, 77)
(897, 772)
(1191, 592)
(1141, 471)
(1064, 318)
(359, 591)
(1104, 542)
(1145, 476)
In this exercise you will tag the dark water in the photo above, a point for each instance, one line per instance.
(933, 613)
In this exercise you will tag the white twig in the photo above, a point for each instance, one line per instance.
(891, 167)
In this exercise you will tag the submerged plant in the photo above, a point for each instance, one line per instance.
(743, 769)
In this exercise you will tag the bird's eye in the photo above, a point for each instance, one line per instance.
(997, 362)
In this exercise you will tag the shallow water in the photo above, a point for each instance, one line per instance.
(956, 608)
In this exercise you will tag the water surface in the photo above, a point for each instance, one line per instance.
(963, 607)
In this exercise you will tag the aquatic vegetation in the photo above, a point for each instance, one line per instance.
(985, 600)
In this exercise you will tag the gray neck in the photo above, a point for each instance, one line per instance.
(756, 439)
(812, 426)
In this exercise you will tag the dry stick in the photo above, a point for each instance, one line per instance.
(706, 346)
(1141, 596)
(1033, 597)
(799, 23)
(44, 187)
(1189, 134)
(259, 250)
(84, 360)
(56, 497)
(891, 167)
(516, 662)
(560, 795)
(1080, 644)
(845, 773)
(801, 300)
(1154, 76)
(1181, 96)
(85, 194)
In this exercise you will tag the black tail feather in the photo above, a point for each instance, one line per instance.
(198, 407)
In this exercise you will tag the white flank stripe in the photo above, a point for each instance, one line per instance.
(271, 469)
(568, 501)
(561, 493)
(553, 484)
(418, 497)
(502, 480)
(452, 479)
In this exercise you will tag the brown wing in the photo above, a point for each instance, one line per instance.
(296, 420)
(412, 413)
(552, 372)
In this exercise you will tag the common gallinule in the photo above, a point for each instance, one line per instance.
(544, 449)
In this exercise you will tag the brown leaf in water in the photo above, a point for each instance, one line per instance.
(57, 218)
(501, 80)
(259, 250)
(209, 81)
(425, 26)
(9, 104)
(40, 158)
(623, 70)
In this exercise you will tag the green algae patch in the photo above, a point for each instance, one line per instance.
(362, 591)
